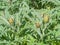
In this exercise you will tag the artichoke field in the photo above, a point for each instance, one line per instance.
(29, 22)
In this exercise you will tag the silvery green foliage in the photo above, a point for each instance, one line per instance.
(25, 14)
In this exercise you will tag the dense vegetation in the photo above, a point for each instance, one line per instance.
(29, 22)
